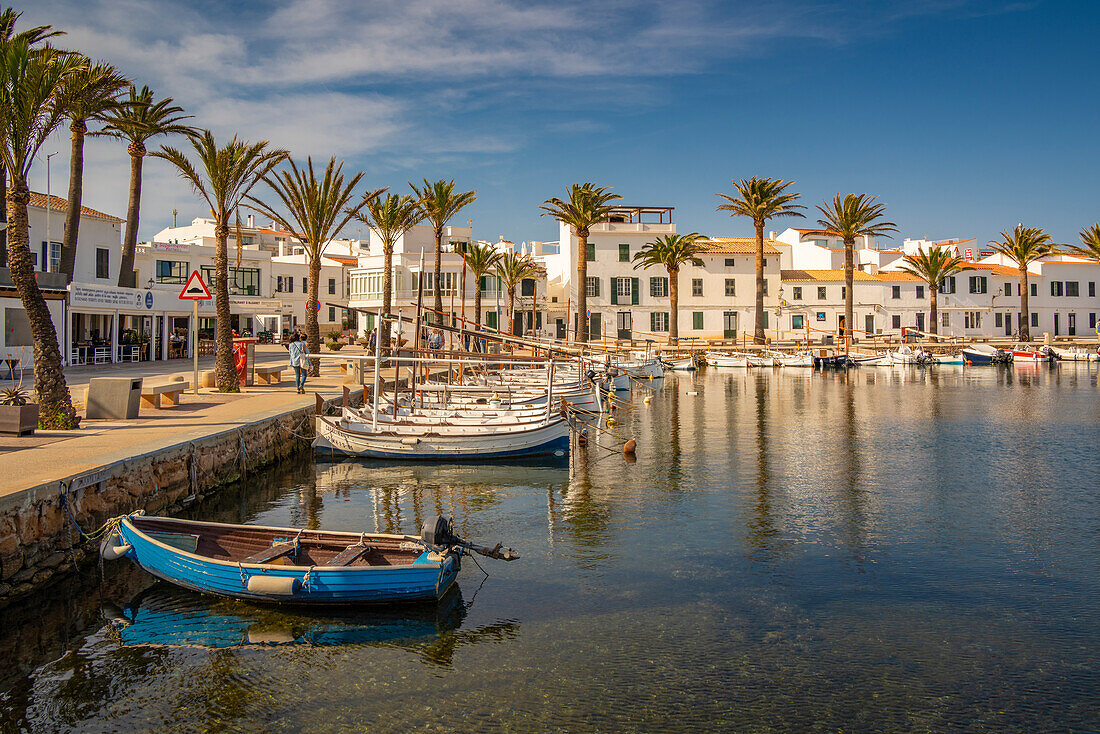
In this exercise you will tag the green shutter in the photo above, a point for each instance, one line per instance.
(697, 320)
(596, 290)
(624, 253)
(614, 292)
(634, 291)
(590, 252)
(491, 319)
(765, 319)
(653, 321)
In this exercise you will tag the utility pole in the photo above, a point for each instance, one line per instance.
(174, 213)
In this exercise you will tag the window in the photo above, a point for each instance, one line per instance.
(945, 318)
(1073, 288)
(171, 271)
(920, 291)
(1035, 289)
(658, 321)
(242, 281)
(526, 287)
(765, 282)
(658, 287)
(1055, 287)
(590, 253)
(592, 287)
(1008, 289)
(731, 287)
(1092, 320)
(843, 291)
(331, 314)
(796, 293)
(1092, 289)
(622, 287)
(978, 284)
(624, 253)
(798, 321)
(103, 263)
(972, 319)
(279, 284)
(332, 286)
(290, 285)
(821, 293)
(1034, 319)
(53, 260)
(697, 286)
(947, 285)
(998, 320)
(731, 262)
(895, 321)
(305, 285)
(895, 291)
(697, 320)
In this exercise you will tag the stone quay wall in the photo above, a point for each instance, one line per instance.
(39, 540)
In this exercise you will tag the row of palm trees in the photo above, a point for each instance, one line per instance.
(849, 217)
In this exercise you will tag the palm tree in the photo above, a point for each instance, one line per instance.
(30, 80)
(671, 251)
(1025, 245)
(438, 204)
(481, 259)
(138, 120)
(856, 215)
(391, 218)
(512, 269)
(587, 205)
(317, 209)
(32, 36)
(761, 199)
(87, 95)
(1090, 244)
(223, 177)
(932, 267)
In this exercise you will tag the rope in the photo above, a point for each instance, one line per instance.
(96, 534)
(244, 576)
(307, 581)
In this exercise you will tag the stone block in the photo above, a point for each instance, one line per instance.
(10, 565)
(23, 576)
(53, 560)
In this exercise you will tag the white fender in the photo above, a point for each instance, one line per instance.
(274, 585)
(112, 552)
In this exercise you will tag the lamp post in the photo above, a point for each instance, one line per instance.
(49, 206)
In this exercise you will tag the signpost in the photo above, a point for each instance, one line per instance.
(195, 290)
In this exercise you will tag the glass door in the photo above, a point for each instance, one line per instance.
(729, 325)
(623, 322)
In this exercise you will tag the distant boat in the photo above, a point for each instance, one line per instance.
(1075, 354)
(291, 565)
(723, 359)
(685, 364)
(909, 356)
(799, 359)
(948, 358)
(1025, 353)
(981, 354)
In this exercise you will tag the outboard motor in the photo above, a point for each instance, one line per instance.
(438, 531)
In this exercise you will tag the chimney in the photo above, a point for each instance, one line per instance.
(771, 235)
(251, 220)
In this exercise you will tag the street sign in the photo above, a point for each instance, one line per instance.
(195, 290)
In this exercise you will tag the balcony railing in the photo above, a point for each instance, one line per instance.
(46, 281)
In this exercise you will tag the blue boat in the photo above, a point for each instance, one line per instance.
(295, 566)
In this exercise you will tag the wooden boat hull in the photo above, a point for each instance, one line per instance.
(423, 578)
(686, 365)
(432, 444)
(715, 359)
(1074, 355)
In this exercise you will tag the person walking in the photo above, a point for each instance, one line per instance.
(299, 360)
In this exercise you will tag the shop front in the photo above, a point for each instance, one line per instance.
(109, 324)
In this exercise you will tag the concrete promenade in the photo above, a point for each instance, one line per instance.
(30, 461)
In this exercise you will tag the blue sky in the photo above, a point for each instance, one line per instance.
(965, 116)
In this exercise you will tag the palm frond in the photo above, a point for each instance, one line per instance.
(438, 201)
(855, 215)
(1024, 245)
(934, 265)
(761, 199)
(670, 252)
(587, 204)
(481, 258)
(1090, 244)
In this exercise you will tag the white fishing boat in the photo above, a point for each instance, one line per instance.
(798, 359)
(1027, 353)
(866, 359)
(723, 359)
(685, 364)
(1075, 354)
(944, 359)
(908, 356)
(765, 359)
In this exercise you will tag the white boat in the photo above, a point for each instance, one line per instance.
(1075, 354)
(907, 355)
(643, 370)
(1025, 353)
(722, 359)
(948, 358)
(685, 364)
(799, 359)
(441, 442)
(765, 359)
(864, 359)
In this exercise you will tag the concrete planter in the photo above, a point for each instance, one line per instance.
(18, 419)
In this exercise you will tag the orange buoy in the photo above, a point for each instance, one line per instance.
(630, 446)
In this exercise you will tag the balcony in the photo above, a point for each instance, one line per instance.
(46, 281)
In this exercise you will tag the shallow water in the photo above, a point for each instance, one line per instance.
(888, 549)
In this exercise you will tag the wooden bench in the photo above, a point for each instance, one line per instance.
(272, 371)
(350, 555)
(275, 552)
(151, 395)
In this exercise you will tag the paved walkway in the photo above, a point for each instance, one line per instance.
(29, 461)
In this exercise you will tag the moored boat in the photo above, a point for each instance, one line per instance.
(685, 364)
(1027, 353)
(724, 359)
(798, 359)
(1075, 354)
(982, 354)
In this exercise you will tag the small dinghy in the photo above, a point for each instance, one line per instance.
(294, 566)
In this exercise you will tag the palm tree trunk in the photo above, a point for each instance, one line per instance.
(1025, 317)
(477, 301)
(76, 193)
(55, 406)
(313, 331)
(933, 292)
(129, 243)
(674, 305)
(849, 290)
(582, 287)
(438, 285)
(3, 216)
(387, 299)
(758, 331)
(511, 310)
(225, 368)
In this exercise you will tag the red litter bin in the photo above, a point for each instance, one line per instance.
(244, 356)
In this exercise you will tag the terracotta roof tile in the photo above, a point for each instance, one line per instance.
(736, 246)
(62, 205)
(824, 275)
(898, 275)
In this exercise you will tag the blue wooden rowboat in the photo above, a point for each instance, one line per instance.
(293, 566)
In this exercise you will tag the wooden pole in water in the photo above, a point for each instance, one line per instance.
(377, 371)
(397, 362)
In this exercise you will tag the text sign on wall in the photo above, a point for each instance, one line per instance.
(81, 295)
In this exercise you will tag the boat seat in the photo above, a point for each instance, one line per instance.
(267, 555)
(350, 555)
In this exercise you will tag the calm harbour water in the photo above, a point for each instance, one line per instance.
(888, 549)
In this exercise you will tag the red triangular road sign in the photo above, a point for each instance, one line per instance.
(195, 290)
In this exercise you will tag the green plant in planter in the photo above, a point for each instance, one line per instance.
(14, 396)
(334, 336)
(334, 346)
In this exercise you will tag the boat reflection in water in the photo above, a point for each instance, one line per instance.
(167, 616)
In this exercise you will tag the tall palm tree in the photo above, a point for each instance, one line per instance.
(1024, 245)
(761, 199)
(30, 80)
(1090, 244)
(481, 259)
(512, 269)
(137, 120)
(316, 211)
(32, 36)
(87, 95)
(223, 177)
(671, 251)
(391, 218)
(438, 204)
(586, 205)
(932, 267)
(856, 215)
